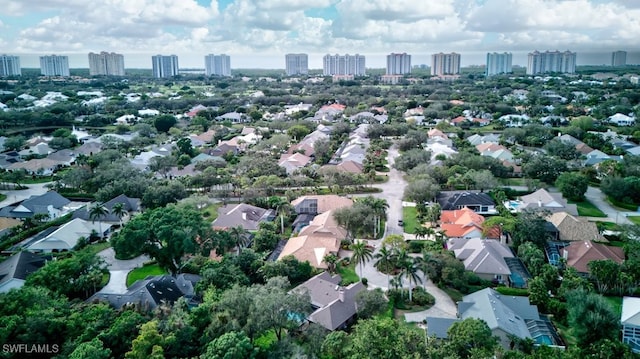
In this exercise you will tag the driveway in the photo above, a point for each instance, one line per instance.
(14, 196)
(118, 270)
(444, 307)
(595, 196)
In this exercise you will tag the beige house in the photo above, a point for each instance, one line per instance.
(572, 228)
(321, 237)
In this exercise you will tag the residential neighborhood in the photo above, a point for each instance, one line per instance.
(498, 216)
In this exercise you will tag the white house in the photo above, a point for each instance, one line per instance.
(630, 321)
(621, 120)
(66, 237)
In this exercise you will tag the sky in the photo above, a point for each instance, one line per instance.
(257, 33)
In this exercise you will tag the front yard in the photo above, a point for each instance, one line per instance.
(410, 218)
(143, 272)
(588, 209)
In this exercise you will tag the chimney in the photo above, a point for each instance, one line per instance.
(565, 254)
(539, 203)
(244, 216)
(341, 294)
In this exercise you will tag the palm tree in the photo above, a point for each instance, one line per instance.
(424, 264)
(119, 211)
(331, 260)
(239, 236)
(361, 253)
(379, 208)
(98, 211)
(385, 261)
(410, 270)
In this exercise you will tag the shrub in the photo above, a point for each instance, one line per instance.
(365, 281)
(512, 291)
(422, 298)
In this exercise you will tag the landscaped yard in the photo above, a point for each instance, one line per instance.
(634, 219)
(588, 209)
(348, 274)
(616, 303)
(210, 212)
(409, 216)
(143, 272)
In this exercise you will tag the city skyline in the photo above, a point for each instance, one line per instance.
(270, 28)
(315, 60)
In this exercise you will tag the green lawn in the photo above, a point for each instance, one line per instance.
(588, 209)
(409, 216)
(3, 197)
(143, 272)
(348, 274)
(616, 303)
(210, 212)
(634, 219)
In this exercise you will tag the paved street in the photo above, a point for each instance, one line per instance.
(118, 270)
(595, 196)
(17, 196)
(392, 192)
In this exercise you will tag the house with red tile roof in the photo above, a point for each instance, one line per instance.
(464, 223)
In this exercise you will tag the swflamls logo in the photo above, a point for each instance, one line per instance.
(23, 348)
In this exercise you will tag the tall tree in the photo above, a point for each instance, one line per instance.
(240, 237)
(166, 234)
(385, 262)
(592, 318)
(361, 253)
(96, 212)
(471, 338)
(119, 211)
(572, 185)
(409, 269)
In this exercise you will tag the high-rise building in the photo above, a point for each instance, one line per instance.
(551, 61)
(165, 66)
(10, 66)
(344, 65)
(499, 63)
(106, 63)
(218, 65)
(398, 64)
(618, 58)
(54, 65)
(297, 64)
(445, 64)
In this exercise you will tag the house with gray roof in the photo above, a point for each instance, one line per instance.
(479, 202)
(234, 117)
(130, 205)
(15, 269)
(51, 203)
(506, 316)
(484, 257)
(242, 215)
(543, 200)
(152, 291)
(334, 305)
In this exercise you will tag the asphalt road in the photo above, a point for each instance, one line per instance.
(392, 192)
(595, 196)
(17, 196)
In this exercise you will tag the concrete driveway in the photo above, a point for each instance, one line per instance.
(118, 270)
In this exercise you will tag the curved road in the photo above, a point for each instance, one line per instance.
(392, 192)
(595, 196)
